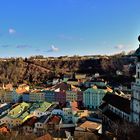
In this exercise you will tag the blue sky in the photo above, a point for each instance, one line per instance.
(68, 27)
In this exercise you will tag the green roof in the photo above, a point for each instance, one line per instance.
(44, 106)
(101, 84)
(18, 110)
(34, 106)
(25, 114)
(96, 90)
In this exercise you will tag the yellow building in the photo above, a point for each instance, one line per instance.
(16, 116)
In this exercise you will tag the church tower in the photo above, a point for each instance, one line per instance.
(135, 99)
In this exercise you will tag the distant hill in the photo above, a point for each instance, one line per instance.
(38, 69)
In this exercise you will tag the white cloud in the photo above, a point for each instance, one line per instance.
(120, 47)
(54, 49)
(12, 31)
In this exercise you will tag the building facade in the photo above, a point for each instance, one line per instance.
(37, 97)
(61, 96)
(50, 96)
(92, 97)
(74, 95)
(135, 99)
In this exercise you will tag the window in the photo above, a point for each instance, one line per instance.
(138, 74)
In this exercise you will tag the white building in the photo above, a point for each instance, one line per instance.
(135, 99)
(115, 108)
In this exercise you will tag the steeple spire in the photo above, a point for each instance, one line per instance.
(135, 99)
(137, 52)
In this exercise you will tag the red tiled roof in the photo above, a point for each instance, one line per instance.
(55, 119)
(45, 137)
(4, 130)
(30, 121)
(20, 91)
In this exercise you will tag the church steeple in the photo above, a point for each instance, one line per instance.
(135, 99)
(137, 52)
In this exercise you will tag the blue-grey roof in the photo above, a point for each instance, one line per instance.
(43, 118)
(5, 108)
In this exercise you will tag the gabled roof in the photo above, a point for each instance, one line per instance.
(30, 122)
(90, 125)
(43, 118)
(103, 105)
(94, 90)
(19, 110)
(21, 91)
(61, 86)
(44, 106)
(119, 102)
(5, 107)
(112, 116)
(54, 119)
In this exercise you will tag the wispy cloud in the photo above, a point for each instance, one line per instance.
(5, 46)
(11, 31)
(120, 47)
(23, 46)
(53, 49)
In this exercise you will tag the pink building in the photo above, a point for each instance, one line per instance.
(61, 96)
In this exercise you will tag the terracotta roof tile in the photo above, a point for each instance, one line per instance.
(45, 137)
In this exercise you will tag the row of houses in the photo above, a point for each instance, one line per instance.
(44, 95)
(62, 93)
(15, 115)
(39, 118)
